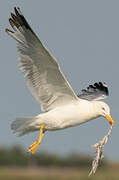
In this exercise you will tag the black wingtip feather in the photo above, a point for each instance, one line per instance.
(96, 91)
(16, 11)
(102, 87)
(13, 17)
(19, 19)
(20, 24)
(7, 30)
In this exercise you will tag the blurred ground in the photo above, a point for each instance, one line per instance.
(16, 164)
(56, 174)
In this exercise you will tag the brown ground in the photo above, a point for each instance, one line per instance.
(57, 174)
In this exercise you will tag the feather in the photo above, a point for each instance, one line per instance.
(97, 91)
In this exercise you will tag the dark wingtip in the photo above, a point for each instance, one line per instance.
(11, 21)
(17, 11)
(100, 86)
(96, 91)
(18, 8)
(13, 16)
(18, 20)
(6, 30)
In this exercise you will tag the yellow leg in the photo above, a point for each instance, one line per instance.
(35, 145)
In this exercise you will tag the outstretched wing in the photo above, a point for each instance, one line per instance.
(42, 72)
(97, 91)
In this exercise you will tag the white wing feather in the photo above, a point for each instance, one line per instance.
(42, 72)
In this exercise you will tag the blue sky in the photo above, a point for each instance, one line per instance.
(84, 37)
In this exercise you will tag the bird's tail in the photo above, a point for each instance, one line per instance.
(22, 126)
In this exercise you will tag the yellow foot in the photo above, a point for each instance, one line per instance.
(35, 145)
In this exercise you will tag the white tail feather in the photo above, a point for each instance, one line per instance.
(22, 126)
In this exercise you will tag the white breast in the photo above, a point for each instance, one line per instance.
(69, 115)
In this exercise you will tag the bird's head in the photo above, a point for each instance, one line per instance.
(104, 110)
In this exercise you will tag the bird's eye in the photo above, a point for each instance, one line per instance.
(103, 108)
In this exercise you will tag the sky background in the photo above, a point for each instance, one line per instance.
(84, 37)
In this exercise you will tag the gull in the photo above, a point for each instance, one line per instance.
(61, 107)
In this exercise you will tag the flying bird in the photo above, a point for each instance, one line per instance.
(61, 107)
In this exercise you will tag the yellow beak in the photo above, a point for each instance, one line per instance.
(109, 118)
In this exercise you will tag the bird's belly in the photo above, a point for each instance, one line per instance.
(66, 117)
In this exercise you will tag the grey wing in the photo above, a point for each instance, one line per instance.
(42, 72)
(97, 91)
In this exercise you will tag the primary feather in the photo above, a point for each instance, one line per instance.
(97, 91)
